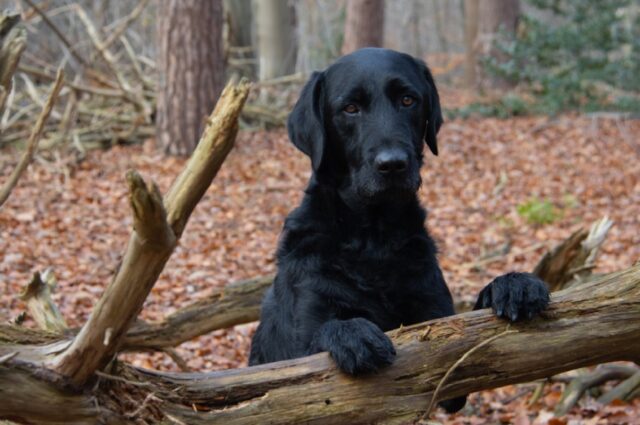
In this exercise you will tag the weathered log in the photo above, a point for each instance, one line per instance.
(234, 304)
(585, 325)
(158, 225)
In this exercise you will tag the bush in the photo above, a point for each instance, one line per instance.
(586, 57)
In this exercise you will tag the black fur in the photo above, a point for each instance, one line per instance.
(355, 259)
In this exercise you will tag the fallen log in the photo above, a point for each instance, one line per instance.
(592, 323)
(234, 304)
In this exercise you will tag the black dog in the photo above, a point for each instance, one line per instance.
(355, 259)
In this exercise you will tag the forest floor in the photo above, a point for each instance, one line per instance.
(482, 193)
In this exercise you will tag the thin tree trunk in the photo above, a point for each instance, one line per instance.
(276, 42)
(191, 65)
(484, 19)
(240, 18)
(364, 24)
(470, 34)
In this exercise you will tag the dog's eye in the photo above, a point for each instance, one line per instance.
(351, 109)
(408, 101)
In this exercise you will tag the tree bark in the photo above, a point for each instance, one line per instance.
(275, 38)
(191, 65)
(483, 21)
(364, 25)
(593, 323)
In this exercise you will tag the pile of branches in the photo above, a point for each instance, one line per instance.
(109, 95)
(104, 101)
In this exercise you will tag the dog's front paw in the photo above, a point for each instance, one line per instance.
(515, 296)
(357, 345)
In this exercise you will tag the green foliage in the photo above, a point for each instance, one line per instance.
(585, 56)
(538, 212)
(510, 105)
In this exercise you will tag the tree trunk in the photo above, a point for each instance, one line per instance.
(594, 323)
(484, 19)
(470, 34)
(494, 15)
(191, 65)
(240, 19)
(276, 42)
(364, 24)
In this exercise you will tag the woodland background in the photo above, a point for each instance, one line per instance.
(542, 100)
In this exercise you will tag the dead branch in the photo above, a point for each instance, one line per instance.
(57, 32)
(585, 325)
(110, 61)
(572, 260)
(152, 242)
(231, 305)
(580, 384)
(625, 391)
(125, 23)
(32, 144)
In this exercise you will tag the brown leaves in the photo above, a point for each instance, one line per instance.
(75, 219)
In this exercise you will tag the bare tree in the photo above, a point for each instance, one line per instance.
(191, 65)
(276, 38)
(363, 25)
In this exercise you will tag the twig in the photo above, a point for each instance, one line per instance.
(171, 352)
(5, 191)
(121, 379)
(623, 391)
(78, 87)
(136, 413)
(580, 384)
(136, 64)
(8, 357)
(110, 60)
(434, 397)
(126, 21)
(59, 33)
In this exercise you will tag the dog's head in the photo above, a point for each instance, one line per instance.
(363, 122)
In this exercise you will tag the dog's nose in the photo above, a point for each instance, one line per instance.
(391, 161)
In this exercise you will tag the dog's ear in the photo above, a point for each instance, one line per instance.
(434, 115)
(306, 123)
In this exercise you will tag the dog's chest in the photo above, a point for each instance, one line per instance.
(386, 275)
